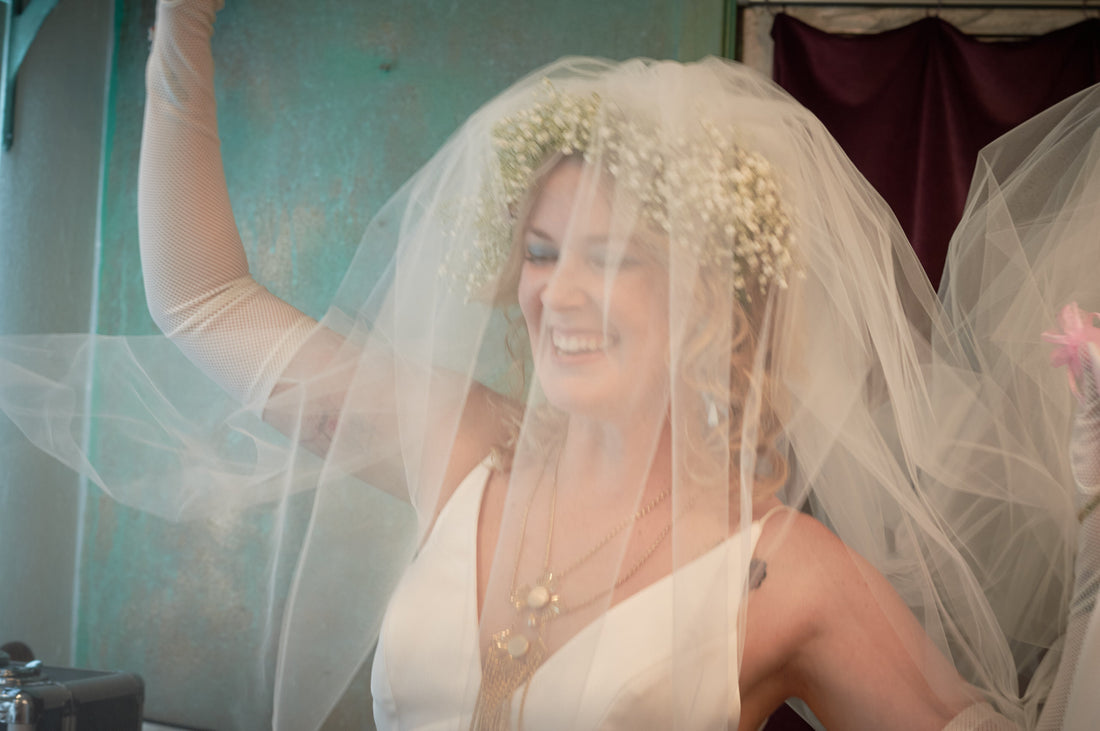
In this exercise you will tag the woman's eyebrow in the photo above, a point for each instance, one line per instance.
(589, 240)
(534, 230)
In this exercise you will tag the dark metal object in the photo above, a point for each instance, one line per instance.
(35, 697)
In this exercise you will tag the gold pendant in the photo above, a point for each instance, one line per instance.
(538, 604)
(510, 664)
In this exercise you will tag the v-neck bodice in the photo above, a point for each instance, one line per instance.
(623, 671)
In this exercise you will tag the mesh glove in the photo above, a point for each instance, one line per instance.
(1068, 704)
(197, 282)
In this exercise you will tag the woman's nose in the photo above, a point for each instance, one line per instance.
(567, 285)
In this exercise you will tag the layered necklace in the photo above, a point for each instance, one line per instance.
(516, 652)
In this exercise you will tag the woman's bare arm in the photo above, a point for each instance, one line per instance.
(840, 638)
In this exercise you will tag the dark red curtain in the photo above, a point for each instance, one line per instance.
(913, 106)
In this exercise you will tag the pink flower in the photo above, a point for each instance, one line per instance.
(1078, 328)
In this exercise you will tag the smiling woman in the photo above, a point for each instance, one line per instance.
(602, 522)
(707, 290)
(706, 287)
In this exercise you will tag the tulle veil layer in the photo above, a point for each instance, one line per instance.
(927, 435)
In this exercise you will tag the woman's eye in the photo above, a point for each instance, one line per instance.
(540, 253)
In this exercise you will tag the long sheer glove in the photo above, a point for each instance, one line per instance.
(1072, 704)
(1084, 451)
(1083, 640)
(197, 282)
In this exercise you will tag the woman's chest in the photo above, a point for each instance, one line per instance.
(667, 654)
(659, 659)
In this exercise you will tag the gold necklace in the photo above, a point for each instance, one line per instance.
(513, 656)
(539, 603)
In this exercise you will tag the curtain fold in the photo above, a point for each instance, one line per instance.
(913, 106)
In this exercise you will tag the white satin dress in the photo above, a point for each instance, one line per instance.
(621, 670)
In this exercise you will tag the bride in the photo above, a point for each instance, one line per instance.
(676, 426)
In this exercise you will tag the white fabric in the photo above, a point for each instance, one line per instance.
(196, 277)
(1082, 664)
(1081, 667)
(1077, 665)
(1084, 452)
(1081, 712)
(979, 717)
(632, 675)
(1027, 247)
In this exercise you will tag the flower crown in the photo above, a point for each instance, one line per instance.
(712, 197)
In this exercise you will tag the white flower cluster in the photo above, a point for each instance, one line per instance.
(723, 204)
(562, 124)
(712, 197)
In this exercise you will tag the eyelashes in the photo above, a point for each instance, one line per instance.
(540, 252)
(598, 256)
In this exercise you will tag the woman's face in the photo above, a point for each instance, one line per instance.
(595, 302)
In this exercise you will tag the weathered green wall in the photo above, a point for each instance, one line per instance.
(49, 183)
(325, 108)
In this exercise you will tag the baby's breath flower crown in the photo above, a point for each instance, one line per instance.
(712, 197)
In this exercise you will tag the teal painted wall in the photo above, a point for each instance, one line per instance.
(325, 108)
(49, 184)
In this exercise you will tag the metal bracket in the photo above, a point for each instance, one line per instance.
(22, 19)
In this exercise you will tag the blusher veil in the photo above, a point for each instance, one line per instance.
(839, 380)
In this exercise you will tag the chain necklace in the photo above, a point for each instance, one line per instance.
(513, 655)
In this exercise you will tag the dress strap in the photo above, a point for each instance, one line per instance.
(763, 518)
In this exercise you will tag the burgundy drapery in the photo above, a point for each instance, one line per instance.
(913, 106)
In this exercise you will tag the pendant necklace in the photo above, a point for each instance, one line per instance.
(516, 652)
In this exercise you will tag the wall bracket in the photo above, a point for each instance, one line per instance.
(22, 19)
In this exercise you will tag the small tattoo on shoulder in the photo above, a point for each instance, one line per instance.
(758, 571)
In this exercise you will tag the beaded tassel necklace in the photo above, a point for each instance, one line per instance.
(514, 655)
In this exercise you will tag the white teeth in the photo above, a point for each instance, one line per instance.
(574, 344)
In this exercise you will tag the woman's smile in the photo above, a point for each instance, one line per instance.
(572, 343)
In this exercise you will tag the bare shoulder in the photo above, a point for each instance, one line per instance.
(796, 532)
(789, 592)
(802, 551)
(828, 581)
(799, 569)
(844, 640)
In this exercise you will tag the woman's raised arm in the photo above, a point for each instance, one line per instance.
(200, 292)
(197, 282)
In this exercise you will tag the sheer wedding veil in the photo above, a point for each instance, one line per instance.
(705, 275)
(1027, 247)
